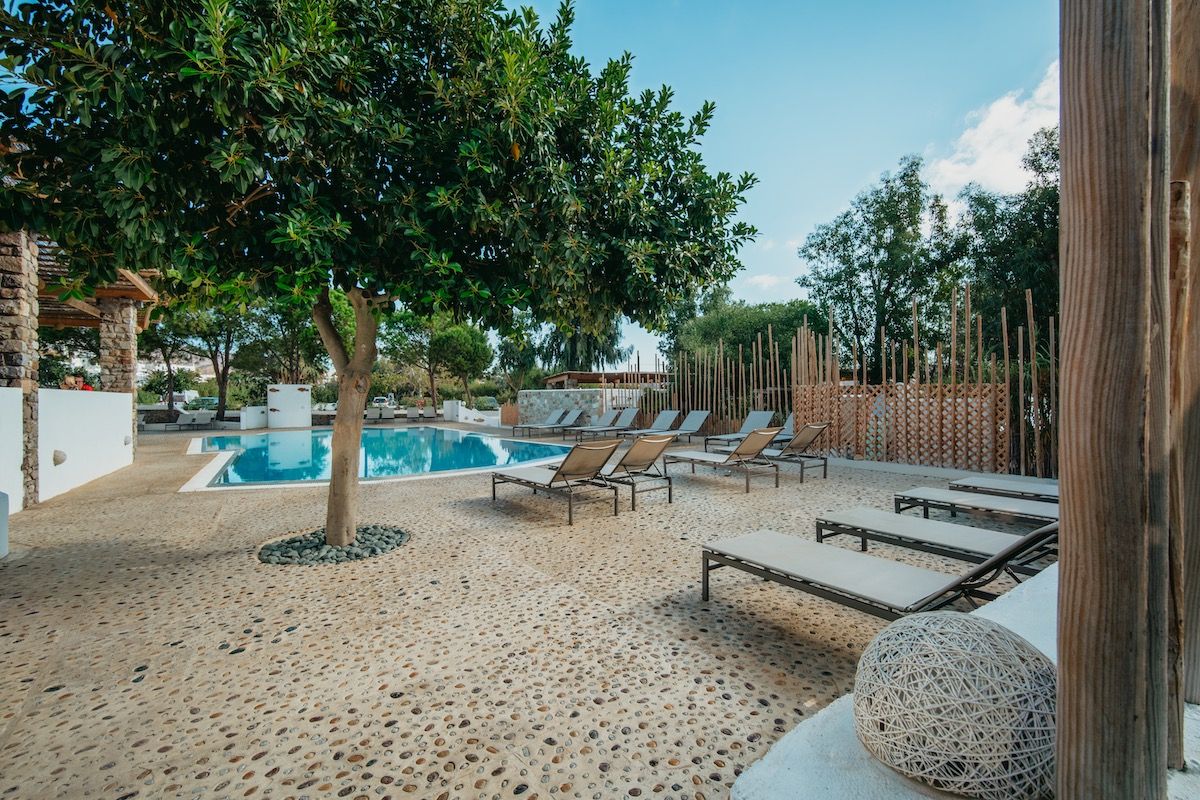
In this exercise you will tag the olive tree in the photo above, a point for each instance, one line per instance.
(437, 155)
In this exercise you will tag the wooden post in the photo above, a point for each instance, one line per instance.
(1185, 349)
(1034, 395)
(1007, 382)
(1021, 393)
(1111, 693)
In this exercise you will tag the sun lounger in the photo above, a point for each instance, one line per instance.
(877, 586)
(570, 419)
(387, 414)
(961, 542)
(795, 451)
(754, 421)
(578, 472)
(789, 428)
(662, 424)
(551, 418)
(603, 421)
(927, 497)
(691, 425)
(194, 419)
(638, 468)
(624, 421)
(371, 414)
(1042, 489)
(412, 414)
(429, 412)
(746, 457)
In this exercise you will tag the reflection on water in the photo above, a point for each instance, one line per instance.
(386, 452)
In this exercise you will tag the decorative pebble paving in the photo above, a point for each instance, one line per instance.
(310, 549)
(146, 651)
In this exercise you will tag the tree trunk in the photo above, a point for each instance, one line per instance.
(342, 510)
(222, 390)
(170, 381)
(354, 382)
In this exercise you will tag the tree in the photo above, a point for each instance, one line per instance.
(739, 324)
(517, 354)
(1010, 242)
(59, 347)
(465, 352)
(701, 302)
(162, 384)
(282, 342)
(444, 155)
(166, 337)
(891, 247)
(408, 340)
(573, 347)
(214, 334)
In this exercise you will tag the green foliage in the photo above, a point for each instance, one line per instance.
(867, 266)
(573, 347)
(247, 389)
(156, 382)
(739, 324)
(449, 154)
(464, 351)
(1010, 242)
(687, 309)
(282, 342)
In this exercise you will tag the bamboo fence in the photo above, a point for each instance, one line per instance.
(958, 404)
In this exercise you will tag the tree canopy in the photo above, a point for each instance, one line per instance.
(445, 155)
(739, 324)
(868, 265)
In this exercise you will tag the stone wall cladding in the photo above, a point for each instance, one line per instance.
(19, 340)
(118, 352)
(534, 405)
(118, 344)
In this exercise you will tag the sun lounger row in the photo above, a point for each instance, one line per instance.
(754, 454)
(586, 468)
(927, 497)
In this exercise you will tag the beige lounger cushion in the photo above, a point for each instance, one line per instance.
(1035, 486)
(878, 580)
(929, 531)
(535, 474)
(698, 455)
(1019, 506)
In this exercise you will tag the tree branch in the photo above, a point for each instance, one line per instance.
(366, 328)
(323, 317)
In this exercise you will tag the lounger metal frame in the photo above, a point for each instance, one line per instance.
(970, 587)
(637, 479)
(827, 529)
(1017, 491)
(747, 465)
(904, 502)
(567, 487)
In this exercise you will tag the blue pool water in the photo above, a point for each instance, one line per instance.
(288, 456)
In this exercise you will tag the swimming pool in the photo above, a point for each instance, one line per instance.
(303, 456)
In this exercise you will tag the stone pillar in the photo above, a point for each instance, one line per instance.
(118, 352)
(19, 341)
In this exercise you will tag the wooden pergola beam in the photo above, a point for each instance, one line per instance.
(82, 305)
(149, 295)
(61, 321)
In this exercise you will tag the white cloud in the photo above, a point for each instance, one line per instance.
(989, 151)
(765, 281)
(766, 244)
(792, 244)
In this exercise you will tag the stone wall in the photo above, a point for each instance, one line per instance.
(118, 344)
(534, 405)
(19, 341)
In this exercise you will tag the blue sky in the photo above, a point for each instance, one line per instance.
(818, 98)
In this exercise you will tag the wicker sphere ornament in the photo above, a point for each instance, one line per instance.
(961, 703)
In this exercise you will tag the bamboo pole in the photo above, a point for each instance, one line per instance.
(1008, 426)
(1034, 401)
(1021, 391)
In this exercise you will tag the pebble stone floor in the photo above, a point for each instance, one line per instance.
(145, 652)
